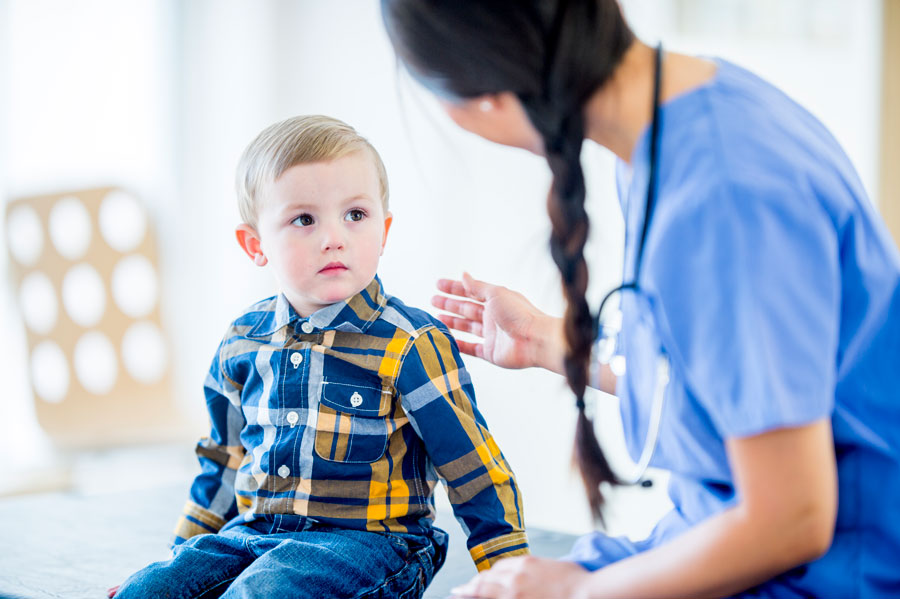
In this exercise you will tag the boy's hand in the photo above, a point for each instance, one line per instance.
(112, 592)
(514, 333)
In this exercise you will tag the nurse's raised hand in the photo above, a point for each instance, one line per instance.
(513, 333)
(527, 577)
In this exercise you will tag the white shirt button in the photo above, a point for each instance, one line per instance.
(356, 399)
(284, 471)
(306, 327)
(296, 358)
(293, 418)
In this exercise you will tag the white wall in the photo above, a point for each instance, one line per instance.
(87, 100)
(458, 202)
(824, 53)
(163, 96)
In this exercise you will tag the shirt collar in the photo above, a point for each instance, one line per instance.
(354, 314)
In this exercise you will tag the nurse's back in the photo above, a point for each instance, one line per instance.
(770, 142)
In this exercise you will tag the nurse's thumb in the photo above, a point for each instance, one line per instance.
(475, 289)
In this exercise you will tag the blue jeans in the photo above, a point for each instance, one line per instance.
(245, 562)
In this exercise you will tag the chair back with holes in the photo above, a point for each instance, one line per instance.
(85, 276)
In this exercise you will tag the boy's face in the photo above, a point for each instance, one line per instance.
(322, 228)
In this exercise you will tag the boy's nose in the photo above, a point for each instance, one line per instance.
(332, 239)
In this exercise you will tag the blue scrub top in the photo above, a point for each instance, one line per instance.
(774, 288)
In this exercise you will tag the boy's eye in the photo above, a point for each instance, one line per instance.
(355, 215)
(304, 220)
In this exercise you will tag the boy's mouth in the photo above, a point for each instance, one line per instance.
(333, 268)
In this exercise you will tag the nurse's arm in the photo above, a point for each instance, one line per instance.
(550, 348)
(509, 330)
(787, 482)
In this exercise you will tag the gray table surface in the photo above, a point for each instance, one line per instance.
(73, 546)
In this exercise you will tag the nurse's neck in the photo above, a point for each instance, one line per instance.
(617, 113)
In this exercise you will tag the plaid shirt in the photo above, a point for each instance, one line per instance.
(348, 418)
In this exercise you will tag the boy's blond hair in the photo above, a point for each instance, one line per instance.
(297, 140)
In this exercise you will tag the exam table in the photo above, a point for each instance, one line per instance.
(75, 545)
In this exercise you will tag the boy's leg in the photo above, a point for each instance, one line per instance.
(203, 566)
(335, 563)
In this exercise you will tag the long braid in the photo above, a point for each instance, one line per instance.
(553, 55)
(569, 234)
(558, 115)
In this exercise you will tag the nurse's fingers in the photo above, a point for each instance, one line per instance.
(468, 310)
(468, 287)
(452, 286)
(461, 324)
(478, 589)
(474, 288)
(473, 349)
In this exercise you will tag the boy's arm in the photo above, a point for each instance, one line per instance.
(212, 500)
(437, 395)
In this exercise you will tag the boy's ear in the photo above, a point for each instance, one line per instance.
(388, 219)
(248, 239)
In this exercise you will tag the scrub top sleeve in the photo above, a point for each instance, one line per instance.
(748, 282)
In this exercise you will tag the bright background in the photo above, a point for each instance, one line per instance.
(161, 96)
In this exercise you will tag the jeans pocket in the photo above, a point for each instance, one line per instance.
(413, 577)
(417, 590)
(400, 544)
(408, 583)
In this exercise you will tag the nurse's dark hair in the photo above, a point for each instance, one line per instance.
(553, 55)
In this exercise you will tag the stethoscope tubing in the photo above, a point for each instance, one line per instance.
(662, 366)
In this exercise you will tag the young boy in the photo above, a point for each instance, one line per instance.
(334, 407)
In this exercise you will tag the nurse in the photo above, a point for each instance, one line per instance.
(757, 355)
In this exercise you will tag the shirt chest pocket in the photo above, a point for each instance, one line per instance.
(352, 424)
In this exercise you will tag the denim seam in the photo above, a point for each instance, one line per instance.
(415, 562)
(226, 582)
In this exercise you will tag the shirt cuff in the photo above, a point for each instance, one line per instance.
(488, 553)
(196, 520)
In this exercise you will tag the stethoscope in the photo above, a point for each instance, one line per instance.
(606, 330)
